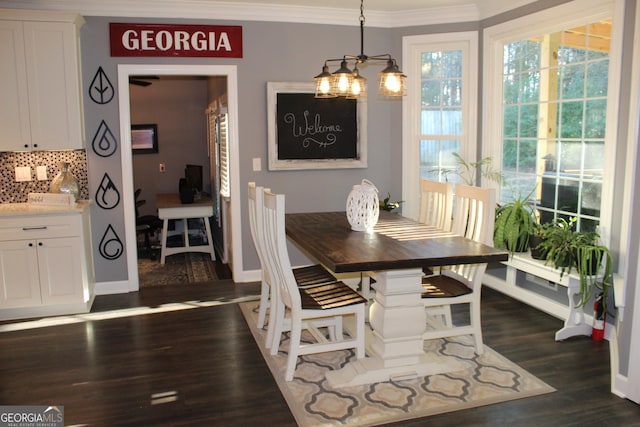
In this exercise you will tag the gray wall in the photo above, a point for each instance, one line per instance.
(272, 52)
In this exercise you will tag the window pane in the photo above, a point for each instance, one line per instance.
(510, 122)
(571, 118)
(529, 120)
(573, 81)
(452, 63)
(430, 92)
(436, 159)
(530, 87)
(595, 118)
(597, 80)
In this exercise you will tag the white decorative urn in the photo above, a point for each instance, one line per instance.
(362, 206)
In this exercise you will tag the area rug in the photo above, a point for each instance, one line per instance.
(185, 268)
(486, 379)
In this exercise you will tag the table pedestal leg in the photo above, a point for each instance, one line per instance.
(395, 346)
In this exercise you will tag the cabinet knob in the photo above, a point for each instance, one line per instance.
(30, 245)
(35, 145)
(39, 243)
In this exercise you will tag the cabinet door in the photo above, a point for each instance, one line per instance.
(60, 266)
(19, 281)
(54, 85)
(15, 131)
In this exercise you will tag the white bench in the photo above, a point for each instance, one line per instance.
(576, 321)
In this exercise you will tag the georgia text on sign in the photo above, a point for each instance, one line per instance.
(175, 40)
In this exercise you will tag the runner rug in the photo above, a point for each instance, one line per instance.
(486, 380)
(178, 269)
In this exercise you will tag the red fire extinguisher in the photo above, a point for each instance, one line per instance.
(599, 319)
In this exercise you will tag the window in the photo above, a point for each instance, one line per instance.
(556, 94)
(440, 118)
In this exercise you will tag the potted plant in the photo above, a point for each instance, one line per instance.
(594, 264)
(388, 205)
(513, 224)
(468, 172)
(568, 249)
(537, 236)
(558, 244)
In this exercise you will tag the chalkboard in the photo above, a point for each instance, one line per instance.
(306, 132)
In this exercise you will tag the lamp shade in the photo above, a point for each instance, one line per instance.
(342, 79)
(358, 86)
(392, 81)
(324, 84)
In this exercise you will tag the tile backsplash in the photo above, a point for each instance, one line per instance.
(17, 192)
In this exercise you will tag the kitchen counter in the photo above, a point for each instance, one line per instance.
(28, 209)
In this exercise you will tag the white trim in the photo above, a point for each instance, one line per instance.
(412, 47)
(629, 386)
(230, 72)
(110, 288)
(244, 11)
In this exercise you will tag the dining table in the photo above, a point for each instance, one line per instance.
(396, 250)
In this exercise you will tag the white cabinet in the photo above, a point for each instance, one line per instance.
(19, 275)
(40, 106)
(46, 265)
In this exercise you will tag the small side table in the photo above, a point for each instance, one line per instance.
(170, 207)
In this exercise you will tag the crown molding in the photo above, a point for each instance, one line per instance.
(221, 10)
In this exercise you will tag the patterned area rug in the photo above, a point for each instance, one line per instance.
(486, 380)
(178, 269)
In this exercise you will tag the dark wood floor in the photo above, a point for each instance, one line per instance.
(106, 372)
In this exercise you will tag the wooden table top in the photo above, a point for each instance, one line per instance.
(172, 200)
(395, 243)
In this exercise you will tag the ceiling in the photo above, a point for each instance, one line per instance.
(380, 13)
(371, 5)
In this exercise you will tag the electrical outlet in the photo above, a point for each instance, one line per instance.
(41, 173)
(23, 173)
(162, 168)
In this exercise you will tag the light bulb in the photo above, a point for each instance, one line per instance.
(343, 84)
(325, 86)
(392, 83)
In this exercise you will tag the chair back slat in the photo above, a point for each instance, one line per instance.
(474, 215)
(436, 202)
(255, 202)
(277, 255)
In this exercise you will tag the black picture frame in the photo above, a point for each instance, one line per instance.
(144, 138)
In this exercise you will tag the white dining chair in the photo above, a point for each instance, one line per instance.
(436, 208)
(307, 308)
(436, 203)
(305, 276)
(473, 218)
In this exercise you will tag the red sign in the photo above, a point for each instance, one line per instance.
(212, 41)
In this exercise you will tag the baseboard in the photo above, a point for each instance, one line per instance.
(109, 288)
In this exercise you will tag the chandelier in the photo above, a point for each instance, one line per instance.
(350, 84)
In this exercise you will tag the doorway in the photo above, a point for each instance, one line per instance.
(124, 72)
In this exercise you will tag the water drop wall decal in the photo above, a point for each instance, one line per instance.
(104, 142)
(107, 195)
(111, 246)
(101, 90)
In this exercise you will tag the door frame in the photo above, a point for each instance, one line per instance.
(126, 70)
